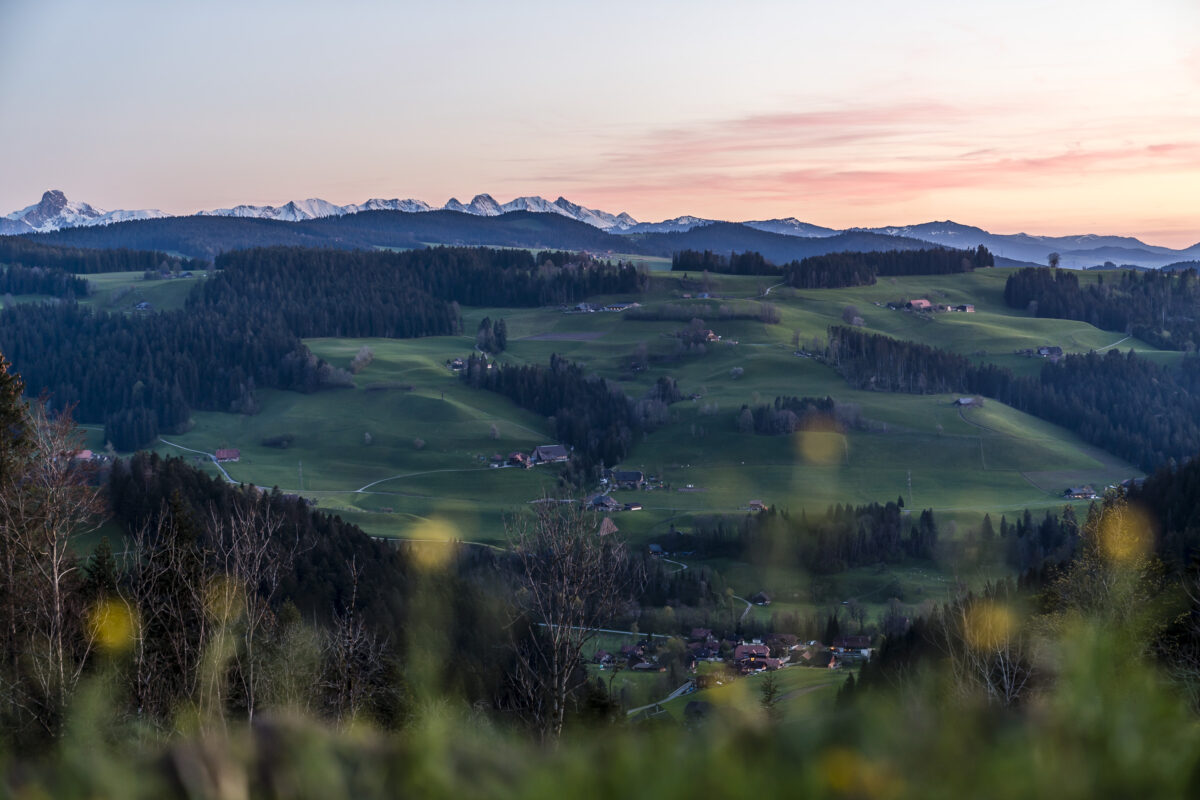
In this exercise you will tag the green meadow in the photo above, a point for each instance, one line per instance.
(411, 445)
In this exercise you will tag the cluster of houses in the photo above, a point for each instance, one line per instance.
(591, 308)
(921, 304)
(742, 656)
(542, 454)
(1052, 352)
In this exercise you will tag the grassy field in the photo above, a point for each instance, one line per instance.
(392, 459)
(801, 691)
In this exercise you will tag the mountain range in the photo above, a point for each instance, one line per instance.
(55, 213)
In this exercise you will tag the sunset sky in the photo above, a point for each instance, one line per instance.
(1077, 116)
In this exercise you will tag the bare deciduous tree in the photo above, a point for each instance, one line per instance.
(46, 497)
(572, 581)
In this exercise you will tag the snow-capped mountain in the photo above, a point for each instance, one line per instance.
(55, 211)
(481, 205)
(676, 225)
(790, 226)
(408, 205)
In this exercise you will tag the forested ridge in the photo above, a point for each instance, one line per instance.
(32, 253)
(837, 270)
(241, 329)
(1129, 406)
(1161, 308)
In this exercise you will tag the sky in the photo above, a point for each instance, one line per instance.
(1076, 116)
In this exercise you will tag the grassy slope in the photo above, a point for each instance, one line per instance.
(992, 459)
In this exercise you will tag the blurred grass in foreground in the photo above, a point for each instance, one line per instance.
(1108, 725)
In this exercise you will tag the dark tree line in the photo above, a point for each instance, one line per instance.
(1161, 308)
(1145, 413)
(842, 538)
(1034, 544)
(745, 263)
(1173, 493)
(589, 413)
(787, 415)
(492, 337)
(837, 270)
(359, 289)
(142, 375)
(28, 253)
(51, 281)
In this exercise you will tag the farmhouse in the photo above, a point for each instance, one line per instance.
(965, 307)
(228, 454)
(757, 505)
(920, 305)
(549, 454)
(602, 502)
(1081, 493)
(628, 479)
(1050, 351)
(710, 336)
(519, 460)
(620, 306)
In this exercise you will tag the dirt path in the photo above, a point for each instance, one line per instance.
(212, 457)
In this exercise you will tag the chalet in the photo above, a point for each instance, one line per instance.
(920, 305)
(1081, 493)
(761, 599)
(550, 454)
(228, 454)
(601, 502)
(757, 505)
(628, 479)
(519, 460)
(607, 527)
(1050, 351)
(458, 364)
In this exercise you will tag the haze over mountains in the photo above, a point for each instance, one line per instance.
(777, 239)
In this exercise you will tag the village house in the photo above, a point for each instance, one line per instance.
(1050, 351)
(517, 459)
(227, 454)
(858, 646)
(549, 454)
(710, 336)
(920, 305)
(1081, 493)
(757, 505)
